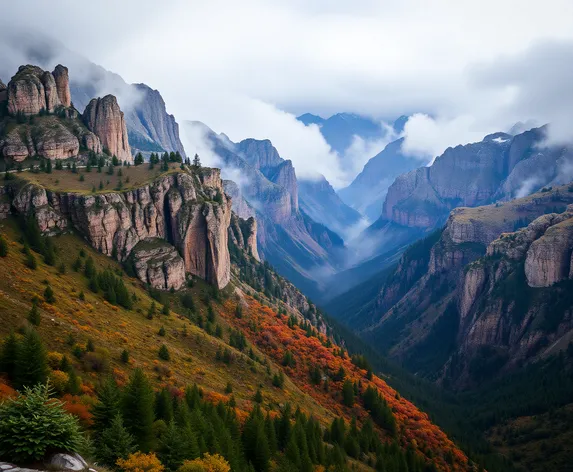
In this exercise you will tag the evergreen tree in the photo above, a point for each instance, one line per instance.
(124, 356)
(163, 406)
(3, 247)
(255, 441)
(74, 384)
(32, 361)
(138, 402)
(34, 315)
(114, 443)
(173, 447)
(152, 310)
(348, 393)
(196, 161)
(10, 353)
(108, 406)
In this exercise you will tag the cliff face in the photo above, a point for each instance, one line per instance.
(41, 121)
(500, 167)
(148, 119)
(33, 90)
(483, 284)
(291, 241)
(179, 208)
(243, 233)
(103, 117)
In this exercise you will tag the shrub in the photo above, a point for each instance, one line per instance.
(208, 463)
(33, 424)
(140, 462)
(114, 443)
(3, 247)
(59, 380)
(49, 295)
(164, 353)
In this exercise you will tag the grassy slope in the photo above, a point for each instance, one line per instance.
(193, 356)
(115, 329)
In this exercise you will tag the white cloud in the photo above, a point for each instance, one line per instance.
(237, 65)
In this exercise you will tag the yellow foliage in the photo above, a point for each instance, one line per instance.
(59, 380)
(54, 359)
(208, 463)
(140, 462)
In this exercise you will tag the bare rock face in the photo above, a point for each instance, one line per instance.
(241, 207)
(63, 85)
(26, 92)
(104, 117)
(180, 208)
(158, 263)
(49, 137)
(548, 259)
(32, 90)
(284, 176)
(243, 233)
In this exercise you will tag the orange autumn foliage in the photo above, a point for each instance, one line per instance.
(270, 333)
(140, 462)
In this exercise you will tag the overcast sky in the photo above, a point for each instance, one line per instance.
(247, 68)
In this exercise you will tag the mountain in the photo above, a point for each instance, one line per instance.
(146, 294)
(482, 307)
(320, 202)
(300, 248)
(368, 190)
(339, 130)
(149, 126)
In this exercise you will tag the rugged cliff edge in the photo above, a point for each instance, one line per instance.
(189, 210)
(482, 292)
(37, 119)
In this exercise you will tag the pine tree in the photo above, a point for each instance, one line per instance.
(173, 447)
(161, 331)
(163, 353)
(138, 159)
(196, 161)
(114, 443)
(10, 353)
(108, 406)
(124, 356)
(255, 441)
(74, 384)
(165, 310)
(138, 409)
(348, 393)
(3, 247)
(163, 406)
(152, 310)
(32, 361)
(34, 315)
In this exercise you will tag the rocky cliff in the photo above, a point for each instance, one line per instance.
(500, 167)
(103, 117)
(484, 283)
(298, 247)
(33, 90)
(41, 122)
(188, 210)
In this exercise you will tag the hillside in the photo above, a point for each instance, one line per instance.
(93, 329)
(482, 307)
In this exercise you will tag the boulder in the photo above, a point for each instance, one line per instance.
(157, 263)
(73, 462)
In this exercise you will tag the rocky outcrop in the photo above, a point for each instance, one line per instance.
(49, 137)
(241, 207)
(148, 119)
(63, 85)
(261, 154)
(188, 210)
(3, 92)
(243, 233)
(548, 259)
(284, 176)
(157, 263)
(33, 90)
(104, 118)
(500, 167)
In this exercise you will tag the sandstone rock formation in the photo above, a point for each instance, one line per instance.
(190, 211)
(33, 90)
(158, 263)
(241, 207)
(103, 117)
(63, 85)
(243, 233)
